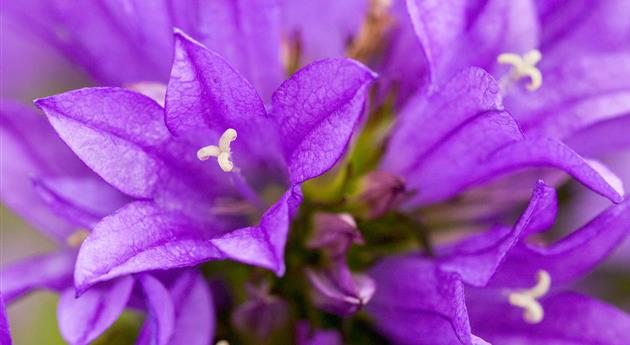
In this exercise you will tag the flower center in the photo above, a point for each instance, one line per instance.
(523, 66)
(528, 298)
(222, 152)
(76, 238)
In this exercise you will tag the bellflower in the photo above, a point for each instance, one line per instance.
(188, 211)
(556, 82)
(460, 135)
(57, 194)
(503, 287)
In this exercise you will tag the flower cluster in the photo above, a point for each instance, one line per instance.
(318, 172)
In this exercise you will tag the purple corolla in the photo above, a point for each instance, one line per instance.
(185, 210)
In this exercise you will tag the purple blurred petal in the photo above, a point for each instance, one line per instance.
(570, 319)
(317, 110)
(83, 319)
(416, 303)
(160, 322)
(195, 321)
(323, 27)
(603, 137)
(245, 33)
(30, 148)
(80, 200)
(115, 132)
(5, 331)
(477, 258)
(576, 93)
(571, 257)
(50, 271)
(338, 291)
(116, 43)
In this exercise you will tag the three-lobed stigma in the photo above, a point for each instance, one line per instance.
(524, 66)
(222, 152)
(528, 298)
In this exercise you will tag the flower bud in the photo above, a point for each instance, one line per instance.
(379, 192)
(339, 291)
(334, 233)
(262, 315)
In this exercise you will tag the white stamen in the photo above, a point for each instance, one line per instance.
(528, 298)
(524, 66)
(222, 152)
(222, 342)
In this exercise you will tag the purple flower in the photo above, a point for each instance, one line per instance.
(502, 287)
(459, 136)
(187, 211)
(68, 196)
(556, 82)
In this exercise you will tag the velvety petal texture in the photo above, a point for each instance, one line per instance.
(82, 319)
(317, 110)
(97, 124)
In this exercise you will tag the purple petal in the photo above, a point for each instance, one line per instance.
(263, 245)
(450, 30)
(317, 110)
(81, 200)
(338, 291)
(415, 303)
(31, 148)
(442, 146)
(194, 311)
(577, 93)
(477, 258)
(246, 33)
(206, 96)
(5, 331)
(160, 323)
(115, 132)
(51, 271)
(602, 138)
(141, 237)
(83, 319)
(571, 257)
(570, 319)
(430, 118)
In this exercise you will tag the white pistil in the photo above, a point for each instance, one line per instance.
(524, 66)
(222, 152)
(528, 298)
